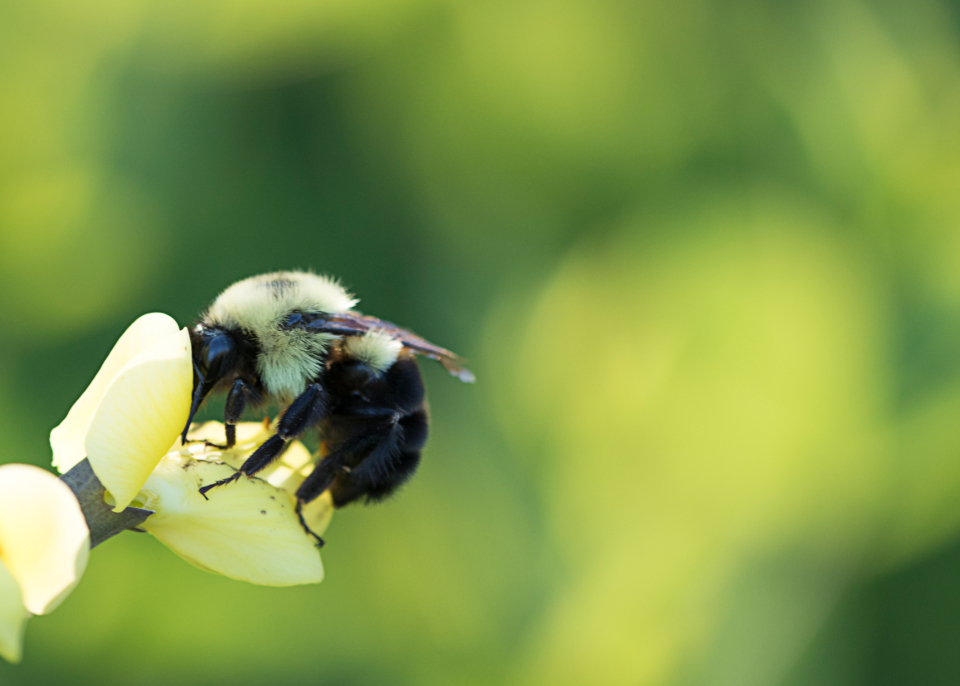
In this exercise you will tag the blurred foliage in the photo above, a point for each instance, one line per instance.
(704, 258)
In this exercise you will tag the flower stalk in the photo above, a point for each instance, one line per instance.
(103, 522)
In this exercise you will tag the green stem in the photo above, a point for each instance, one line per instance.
(103, 522)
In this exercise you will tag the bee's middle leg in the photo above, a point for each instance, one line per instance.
(303, 413)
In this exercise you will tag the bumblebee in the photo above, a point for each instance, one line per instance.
(293, 338)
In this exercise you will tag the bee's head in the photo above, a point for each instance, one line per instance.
(215, 357)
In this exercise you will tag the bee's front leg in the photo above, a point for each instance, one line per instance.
(236, 404)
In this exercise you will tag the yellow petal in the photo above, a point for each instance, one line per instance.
(293, 467)
(247, 530)
(67, 439)
(282, 472)
(286, 473)
(13, 617)
(141, 414)
(248, 434)
(44, 541)
(296, 456)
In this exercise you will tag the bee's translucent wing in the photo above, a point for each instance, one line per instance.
(355, 324)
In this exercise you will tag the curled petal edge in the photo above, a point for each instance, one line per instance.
(140, 416)
(67, 439)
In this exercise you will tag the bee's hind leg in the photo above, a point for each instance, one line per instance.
(306, 527)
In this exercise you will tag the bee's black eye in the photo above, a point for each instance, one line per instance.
(292, 320)
(217, 356)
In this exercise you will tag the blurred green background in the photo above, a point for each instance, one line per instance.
(703, 256)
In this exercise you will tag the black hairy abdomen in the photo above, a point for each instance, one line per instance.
(373, 433)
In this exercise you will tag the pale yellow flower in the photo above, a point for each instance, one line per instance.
(127, 424)
(44, 545)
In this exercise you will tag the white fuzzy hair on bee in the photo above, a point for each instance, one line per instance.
(288, 358)
(292, 338)
(378, 349)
